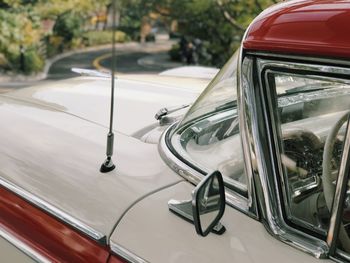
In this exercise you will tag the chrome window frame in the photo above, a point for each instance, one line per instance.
(270, 169)
(260, 151)
(183, 155)
(277, 132)
(247, 205)
(233, 198)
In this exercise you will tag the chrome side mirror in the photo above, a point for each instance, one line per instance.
(206, 207)
(208, 203)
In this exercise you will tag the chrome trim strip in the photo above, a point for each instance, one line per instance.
(23, 247)
(246, 144)
(126, 254)
(301, 58)
(340, 194)
(194, 177)
(342, 255)
(260, 140)
(263, 63)
(99, 237)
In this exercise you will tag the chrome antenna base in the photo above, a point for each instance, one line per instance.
(107, 166)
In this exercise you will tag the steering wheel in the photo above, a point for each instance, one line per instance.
(328, 178)
(301, 135)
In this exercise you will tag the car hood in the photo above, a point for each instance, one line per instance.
(137, 98)
(52, 159)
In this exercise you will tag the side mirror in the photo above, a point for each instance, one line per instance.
(206, 207)
(208, 203)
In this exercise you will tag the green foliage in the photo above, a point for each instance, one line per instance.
(68, 25)
(21, 22)
(219, 24)
(131, 18)
(53, 8)
(16, 31)
(174, 52)
(205, 20)
(33, 62)
(93, 38)
(54, 45)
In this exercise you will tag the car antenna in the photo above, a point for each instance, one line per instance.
(108, 164)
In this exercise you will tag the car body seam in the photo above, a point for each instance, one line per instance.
(140, 199)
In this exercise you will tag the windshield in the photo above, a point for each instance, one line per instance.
(220, 94)
(208, 137)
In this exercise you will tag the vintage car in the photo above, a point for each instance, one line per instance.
(255, 170)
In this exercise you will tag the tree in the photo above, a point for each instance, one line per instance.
(54, 8)
(220, 24)
(21, 35)
(68, 25)
(20, 31)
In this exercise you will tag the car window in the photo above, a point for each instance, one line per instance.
(220, 93)
(214, 143)
(208, 137)
(309, 111)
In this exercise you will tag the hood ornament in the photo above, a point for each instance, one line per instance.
(108, 164)
(162, 114)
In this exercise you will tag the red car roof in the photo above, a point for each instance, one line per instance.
(317, 27)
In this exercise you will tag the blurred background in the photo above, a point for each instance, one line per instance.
(152, 35)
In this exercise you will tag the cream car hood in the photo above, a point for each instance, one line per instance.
(137, 98)
(52, 159)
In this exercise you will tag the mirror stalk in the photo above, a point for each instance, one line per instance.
(184, 210)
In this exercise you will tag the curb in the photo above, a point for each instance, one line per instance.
(97, 65)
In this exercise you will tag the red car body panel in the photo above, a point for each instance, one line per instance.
(47, 235)
(319, 27)
(114, 259)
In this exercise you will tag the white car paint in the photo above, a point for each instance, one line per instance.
(9, 253)
(136, 101)
(57, 156)
(152, 232)
(64, 127)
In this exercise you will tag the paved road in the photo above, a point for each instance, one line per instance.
(61, 69)
(128, 56)
(127, 62)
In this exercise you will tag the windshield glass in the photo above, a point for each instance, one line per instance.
(208, 137)
(220, 94)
